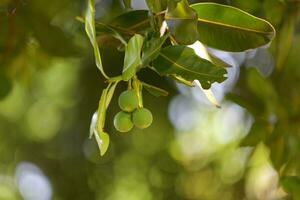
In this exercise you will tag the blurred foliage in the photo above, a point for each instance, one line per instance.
(50, 87)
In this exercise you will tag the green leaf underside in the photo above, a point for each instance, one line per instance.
(101, 111)
(131, 22)
(231, 29)
(182, 61)
(151, 49)
(102, 140)
(122, 27)
(91, 32)
(110, 93)
(182, 22)
(155, 91)
(217, 61)
(102, 28)
(132, 58)
(128, 23)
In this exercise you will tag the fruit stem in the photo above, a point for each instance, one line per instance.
(129, 85)
(138, 88)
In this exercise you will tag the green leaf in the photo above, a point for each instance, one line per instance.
(136, 21)
(91, 32)
(101, 113)
(151, 49)
(217, 61)
(102, 28)
(182, 22)
(98, 119)
(291, 184)
(208, 94)
(182, 61)
(155, 91)
(230, 29)
(102, 139)
(110, 93)
(122, 27)
(182, 80)
(132, 58)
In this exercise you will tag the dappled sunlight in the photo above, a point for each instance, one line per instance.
(8, 189)
(212, 128)
(262, 179)
(208, 95)
(32, 183)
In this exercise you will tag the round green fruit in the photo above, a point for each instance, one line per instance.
(128, 100)
(142, 118)
(122, 122)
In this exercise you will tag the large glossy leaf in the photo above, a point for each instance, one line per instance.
(136, 21)
(151, 49)
(132, 58)
(91, 32)
(183, 62)
(105, 29)
(230, 29)
(122, 27)
(182, 22)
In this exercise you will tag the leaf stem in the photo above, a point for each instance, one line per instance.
(160, 13)
(114, 79)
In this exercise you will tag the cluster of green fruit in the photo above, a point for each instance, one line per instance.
(132, 114)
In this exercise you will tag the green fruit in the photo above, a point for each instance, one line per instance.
(128, 100)
(142, 118)
(122, 122)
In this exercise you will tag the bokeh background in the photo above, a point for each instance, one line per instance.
(50, 87)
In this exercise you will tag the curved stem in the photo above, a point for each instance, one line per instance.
(114, 79)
